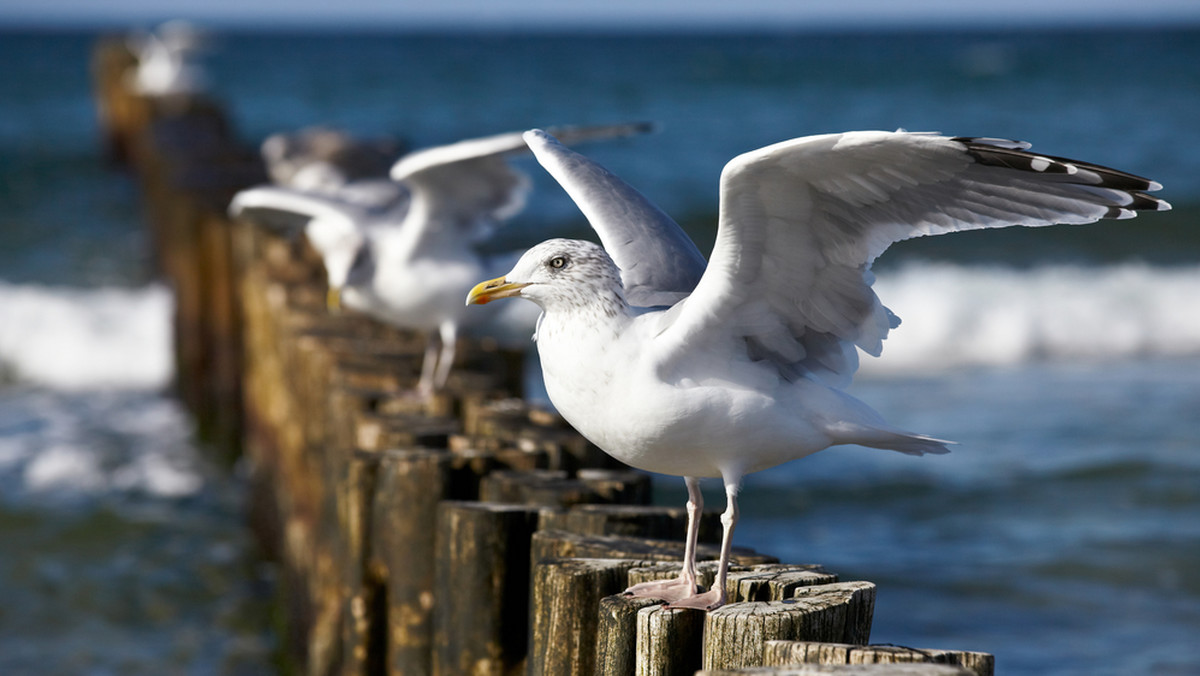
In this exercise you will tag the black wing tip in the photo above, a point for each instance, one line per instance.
(1014, 155)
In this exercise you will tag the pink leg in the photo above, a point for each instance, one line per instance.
(449, 333)
(715, 598)
(429, 365)
(683, 586)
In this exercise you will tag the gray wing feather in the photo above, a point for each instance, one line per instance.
(471, 184)
(659, 263)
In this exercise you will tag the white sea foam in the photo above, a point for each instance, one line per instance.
(955, 316)
(75, 339)
(61, 445)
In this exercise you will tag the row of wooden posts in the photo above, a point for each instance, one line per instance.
(467, 533)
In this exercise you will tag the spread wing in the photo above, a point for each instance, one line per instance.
(802, 221)
(469, 185)
(464, 188)
(290, 209)
(659, 264)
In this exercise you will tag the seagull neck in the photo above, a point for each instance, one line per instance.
(605, 309)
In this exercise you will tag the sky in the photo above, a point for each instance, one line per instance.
(534, 14)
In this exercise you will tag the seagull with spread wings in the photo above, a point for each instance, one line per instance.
(408, 262)
(721, 368)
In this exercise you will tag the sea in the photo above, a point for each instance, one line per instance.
(1062, 534)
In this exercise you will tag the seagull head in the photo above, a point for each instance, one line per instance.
(557, 272)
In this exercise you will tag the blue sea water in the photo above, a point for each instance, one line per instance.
(1062, 534)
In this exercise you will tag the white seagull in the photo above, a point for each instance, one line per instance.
(166, 61)
(408, 263)
(718, 369)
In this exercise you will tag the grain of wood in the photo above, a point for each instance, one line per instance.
(565, 612)
(735, 634)
(409, 487)
(784, 653)
(647, 521)
(616, 634)
(481, 588)
(843, 670)
(669, 641)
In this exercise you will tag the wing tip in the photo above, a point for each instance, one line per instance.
(1012, 157)
(536, 135)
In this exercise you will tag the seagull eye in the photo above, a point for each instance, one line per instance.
(558, 262)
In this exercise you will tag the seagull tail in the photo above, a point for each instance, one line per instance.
(890, 439)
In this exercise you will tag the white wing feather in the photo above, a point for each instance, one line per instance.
(659, 264)
(306, 205)
(802, 221)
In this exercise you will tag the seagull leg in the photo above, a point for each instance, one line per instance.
(715, 597)
(683, 586)
(439, 357)
(429, 365)
(449, 333)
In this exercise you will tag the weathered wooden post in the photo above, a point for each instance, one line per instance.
(844, 670)
(564, 618)
(787, 653)
(410, 485)
(616, 634)
(662, 641)
(481, 587)
(841, 612)
(669, 642)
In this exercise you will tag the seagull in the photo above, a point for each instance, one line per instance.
(698, 369)
(166, 64)
(409, 262)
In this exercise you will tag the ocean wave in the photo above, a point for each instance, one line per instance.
(957, 316)
(953, 316)
(69, 446)
(74, 339)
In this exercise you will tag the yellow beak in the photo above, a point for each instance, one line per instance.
(333, 299)
(493, 289)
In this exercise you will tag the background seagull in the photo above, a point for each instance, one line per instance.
(408, 263)
(676, 366)
(167, 61)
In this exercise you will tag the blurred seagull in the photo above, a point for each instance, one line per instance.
(408, 263)
(719, 369)
(166, 61)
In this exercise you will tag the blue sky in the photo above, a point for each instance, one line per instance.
(619, 13)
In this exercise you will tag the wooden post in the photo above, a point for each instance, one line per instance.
(553, 488)
(471, 465)
(787, 653)
(482, 587)
(565, 612)
(364, 621)
(671, 642)
(560, 544)
(409, 486)
(734, 634)
(616, 634)
(775, 582)
(845, 670)
(647, 521)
